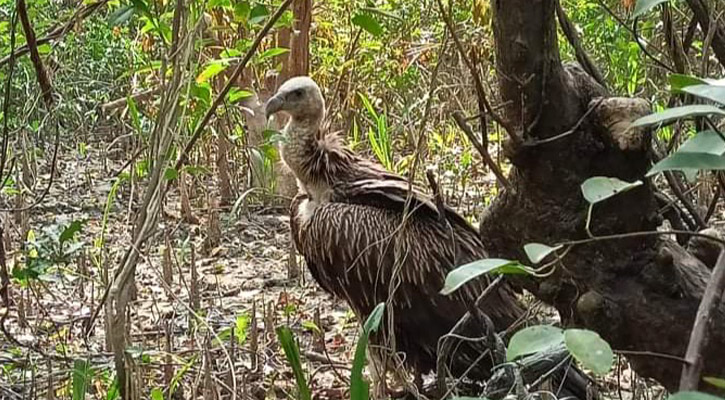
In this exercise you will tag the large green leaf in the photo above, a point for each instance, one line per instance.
(672, 114)
(292, 352)
(359, 388)
(368, 23)
(600, 188)
(715, 93)
(680, 81)
(82, 376)
(589, 349)
(534, 339)
(693, 396)
(121, 15)
(537, 251)
(683, 161)
(645, 5)
(461, 275)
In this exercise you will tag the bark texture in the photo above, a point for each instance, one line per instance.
(640, 294)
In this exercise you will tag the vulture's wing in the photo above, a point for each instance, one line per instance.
(356, 247)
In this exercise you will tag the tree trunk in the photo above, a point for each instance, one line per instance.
(641, 294)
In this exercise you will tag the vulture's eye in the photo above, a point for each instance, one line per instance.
(295, 94)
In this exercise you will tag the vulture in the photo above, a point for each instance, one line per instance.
(368, 237)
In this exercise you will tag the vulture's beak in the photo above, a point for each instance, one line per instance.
(273, 105)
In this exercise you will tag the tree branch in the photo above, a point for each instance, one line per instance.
(691, 372)
(703, 15)
(184, 156)
(59, 32)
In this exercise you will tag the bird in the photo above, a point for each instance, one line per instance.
(368, 236)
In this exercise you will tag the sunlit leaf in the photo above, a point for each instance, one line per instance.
(537, 251)
(368, 23)
(717, 382)
(237, 94)
(240, 328)
(534, 339)
(273, 52)
(673, 114)
(219, 4)
(589, 349)
(211, 70)
(465, 273)
(600, 188)
(157, 394)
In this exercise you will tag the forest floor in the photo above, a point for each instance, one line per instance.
(243, 284)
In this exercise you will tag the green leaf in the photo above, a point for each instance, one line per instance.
(273, 52)
(211, 70)
(242, 11)
(717, 382)
(704, 150)
(589, 349)
(537, 251)
(292, 352)
(114, 392)
(368, 23)
(461, 275)
(600, 188)
(682, 161)
(680, 81)
(645, 5)
(359, 388)
(133, 111)
(711, 92)
(157, 394)
(534, 339)
(708, 142)
(311, 326)
(237, 94)
(70, 231)
(121, 15)
(258, 14)
(170, 174)
(219, 4)
(673, 114)
(240, 328)
(693, 396)
(44, 49)
(81, 378)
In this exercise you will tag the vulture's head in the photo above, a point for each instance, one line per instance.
(300, 97)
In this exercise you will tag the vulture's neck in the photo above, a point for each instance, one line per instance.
(301, 153)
